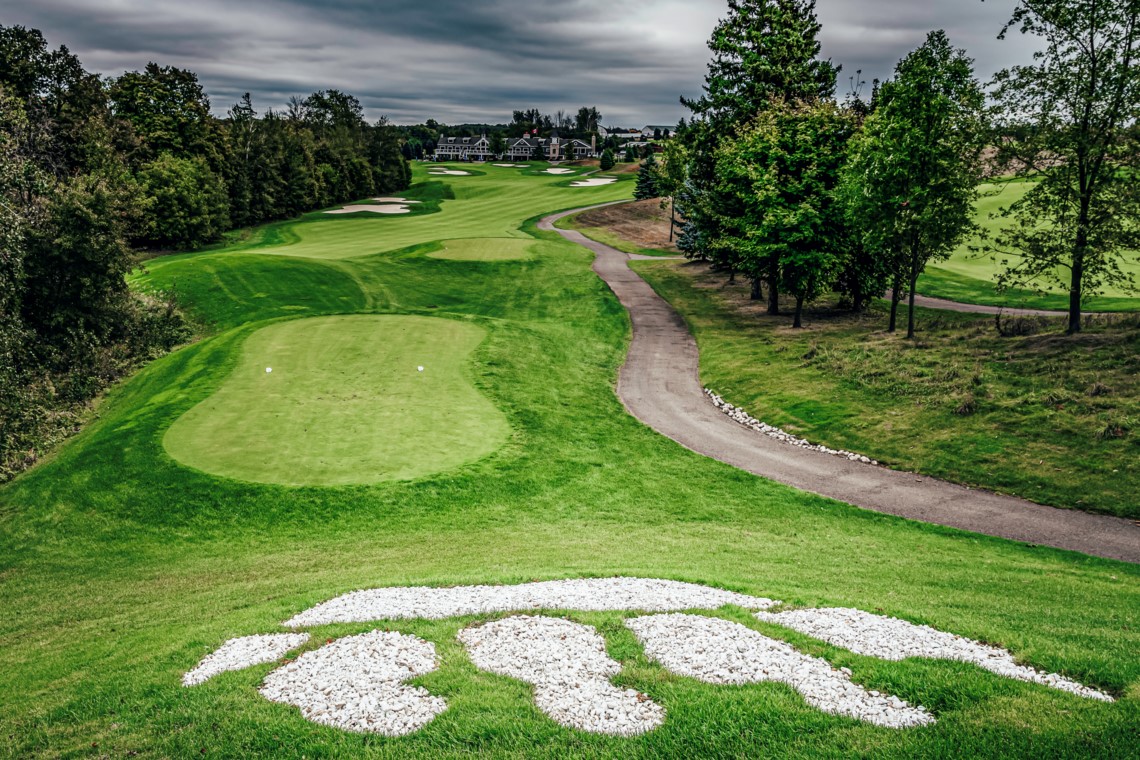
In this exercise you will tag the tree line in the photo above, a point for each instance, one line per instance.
(775, 179)
(92, 170)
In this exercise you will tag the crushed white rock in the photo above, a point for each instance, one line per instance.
(748, 421)
(570, 670)
(723, 652)
(584, 594)
(239, 654)
(355, 684)
(893, 639)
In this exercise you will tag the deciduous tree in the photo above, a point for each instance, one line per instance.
(1070, 119)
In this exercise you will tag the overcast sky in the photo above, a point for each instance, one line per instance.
(477, 60)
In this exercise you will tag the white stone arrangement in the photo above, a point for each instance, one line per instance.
(582, 595)
(358, 684)
(723, 652)
(239, 654)
(748, 421)
(892, 639)
(570, 670)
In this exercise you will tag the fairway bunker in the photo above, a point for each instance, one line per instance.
(594, 182)
(381, 208)
(357, 682)
(342, 404)
(485, 249)
(449, 173)
(559, 171)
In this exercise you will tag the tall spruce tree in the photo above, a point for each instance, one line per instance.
(762, 50)
(648, 179)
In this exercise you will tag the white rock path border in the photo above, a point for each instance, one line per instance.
(583, 595)
(239, 654)
(748, 421)
(356, 684)
(567, 664)
(720, 651)
(890, 638)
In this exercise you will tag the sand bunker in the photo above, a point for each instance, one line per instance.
(387, 208)
(449, 173)
(394, 200)
(511, 166)
(560, 171)
(594, 182)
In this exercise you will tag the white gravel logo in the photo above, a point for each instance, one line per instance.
(357, 683)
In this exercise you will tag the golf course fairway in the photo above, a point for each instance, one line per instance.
(344, 400)
(208, 500)
(484, 249)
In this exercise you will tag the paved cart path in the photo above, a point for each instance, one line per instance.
(660, 385)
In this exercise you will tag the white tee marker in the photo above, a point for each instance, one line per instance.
(421, 369)
(268, 370)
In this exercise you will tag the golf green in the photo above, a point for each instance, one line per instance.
(341, 401)
(485, 249)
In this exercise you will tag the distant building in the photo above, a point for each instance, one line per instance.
(554, 148)
(463, 149)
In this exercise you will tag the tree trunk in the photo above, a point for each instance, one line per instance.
(857, 297)
(773, 289)
(798, 324)
(732, 276)
(910, 308)
(756, 294)
(896, 293)
(1075, 295)
(672, 218)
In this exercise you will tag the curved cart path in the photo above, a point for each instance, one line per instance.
(660, 386)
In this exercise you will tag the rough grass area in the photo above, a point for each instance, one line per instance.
(344, 404)
(120, 568)
(641, 227)
(968, 276)
(1048, 417)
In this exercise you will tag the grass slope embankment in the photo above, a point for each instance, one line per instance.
(968, 275)
(120, 568)
(1022, 415)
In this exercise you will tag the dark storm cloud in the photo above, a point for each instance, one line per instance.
(479, 59)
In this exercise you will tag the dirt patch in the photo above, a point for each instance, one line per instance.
(643, 223)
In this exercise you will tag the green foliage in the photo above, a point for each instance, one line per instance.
(186, 203)
(608, 160)
(168, 111)
(913, 176)
(648, 177)
(763, 50)
(782, 171)
(1071, 118)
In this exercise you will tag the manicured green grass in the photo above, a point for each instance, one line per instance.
(120, 568)
(968, 276)
(1021, 415)
(340, 400)
(484, 249)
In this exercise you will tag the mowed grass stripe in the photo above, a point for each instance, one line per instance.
(485, 250)
(344, 404)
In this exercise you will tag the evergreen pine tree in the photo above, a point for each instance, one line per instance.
(648, 179)
(608, 160)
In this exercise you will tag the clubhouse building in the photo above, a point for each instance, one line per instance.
(518, 149)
